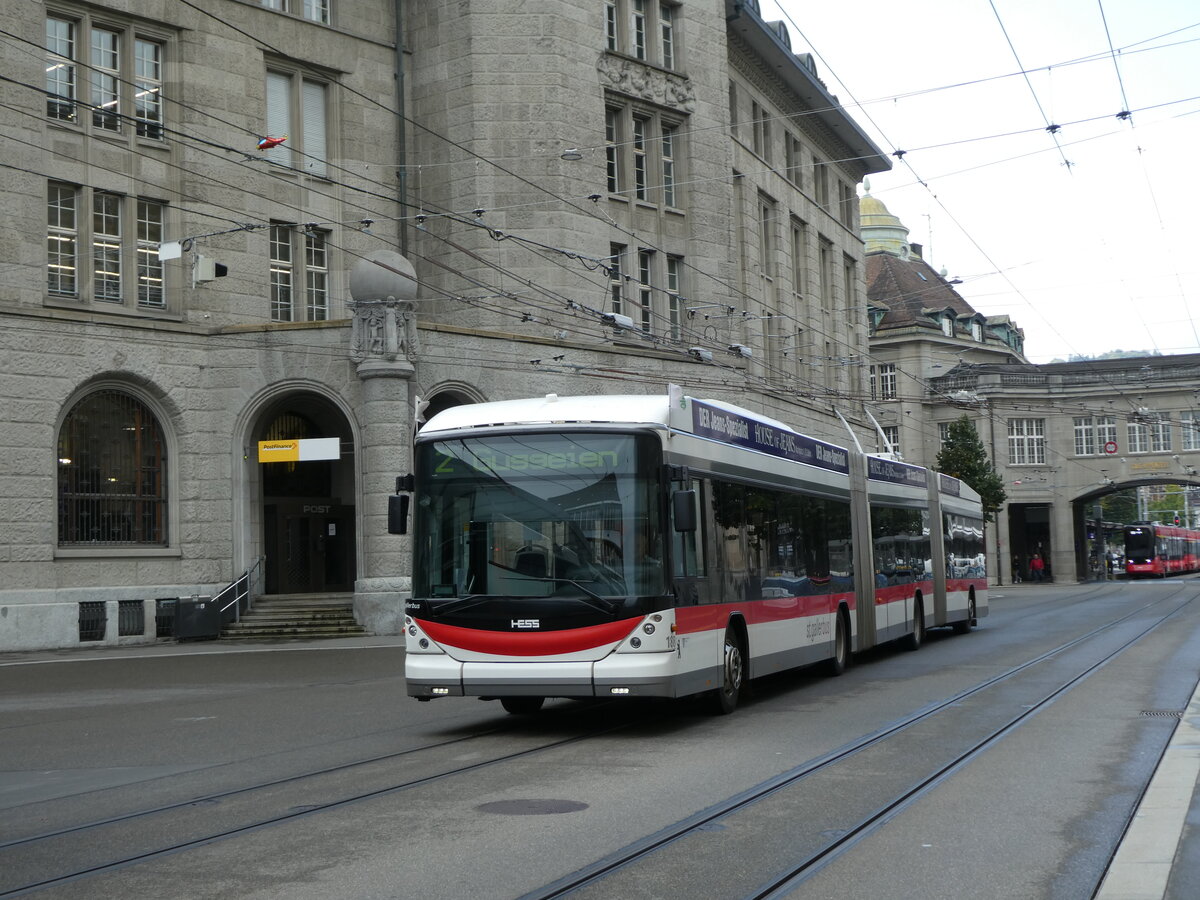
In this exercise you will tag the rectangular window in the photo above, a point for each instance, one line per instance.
(313, 10)
(1139, 437)
(766, 237)
(611, 40)
(668, 165)
(616, 278)
(281, 273)
(612, 149)
(1106, 431)
(317, 11)
(149, 266)
(638, 28)
(106, 246)
(886, 374)
(733, 109)
(640, 189)
(316, 276)
(892, 434)
(645, 291)
(62, 240)
(846, 198)
(820, 183)
(646, 164)
(124, 80)
(105, 62)
(296, 109)
(60, 69)
(793, 158)
(825, 272)
(854, 312)
(799, 258)
(1189, 429)
(943, 432)
(1027, 442)
(1085, 436)
(116, 247)
(762, 131)
(666, 25)
(147, 96)
(1160, 434)
(674, 301)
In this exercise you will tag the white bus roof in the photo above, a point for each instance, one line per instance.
(637, 409)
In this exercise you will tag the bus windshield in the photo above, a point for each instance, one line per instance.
(564, 515)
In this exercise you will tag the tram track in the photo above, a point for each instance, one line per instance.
(161, 831)
(59, 843)
(598, 878)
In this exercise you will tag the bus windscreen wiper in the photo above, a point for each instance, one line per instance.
(601, 603)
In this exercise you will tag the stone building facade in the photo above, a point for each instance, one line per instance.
(268, 220)
(1062, 435)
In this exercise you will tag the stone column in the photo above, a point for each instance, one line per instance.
(384, 344)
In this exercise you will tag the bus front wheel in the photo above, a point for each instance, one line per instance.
(733, 674)
(522, 706)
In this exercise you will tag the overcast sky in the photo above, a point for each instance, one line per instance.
(1102, 254)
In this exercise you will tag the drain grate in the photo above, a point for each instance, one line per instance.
(1164, 713)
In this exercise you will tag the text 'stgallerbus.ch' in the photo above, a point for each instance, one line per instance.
(664, 546)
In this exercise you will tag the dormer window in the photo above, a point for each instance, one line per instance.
(976, 330)
(948, 325)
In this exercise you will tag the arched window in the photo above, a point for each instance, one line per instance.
(112, 473)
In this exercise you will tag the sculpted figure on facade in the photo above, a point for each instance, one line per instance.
(383, 329)
(636, 79)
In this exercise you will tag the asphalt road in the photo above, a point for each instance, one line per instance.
(1003, 764)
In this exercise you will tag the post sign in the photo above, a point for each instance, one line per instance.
(302, 450)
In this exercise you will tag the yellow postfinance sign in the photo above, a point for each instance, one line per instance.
(301, 450)
(278, 451)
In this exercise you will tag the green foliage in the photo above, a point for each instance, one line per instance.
(964, 456)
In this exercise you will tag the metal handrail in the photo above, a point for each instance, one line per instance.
(240, 589)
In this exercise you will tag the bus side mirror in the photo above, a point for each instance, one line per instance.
(398, 513)
(683, 509)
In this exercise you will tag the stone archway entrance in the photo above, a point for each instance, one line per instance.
(307, 507)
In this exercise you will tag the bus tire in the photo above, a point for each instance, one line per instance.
(522, 706)
(915, 638)
(964, 625)
(841, 646)
(733, 674)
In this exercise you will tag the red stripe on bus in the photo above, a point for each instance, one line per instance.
(528, 643)
(693, 619)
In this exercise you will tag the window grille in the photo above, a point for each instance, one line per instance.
(111, 473)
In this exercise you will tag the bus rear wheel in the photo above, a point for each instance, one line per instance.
(915, 638)
(522, 706)
(841, 646)
(964, 625)
(733, 674)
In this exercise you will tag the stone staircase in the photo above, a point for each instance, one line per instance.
(295, 617)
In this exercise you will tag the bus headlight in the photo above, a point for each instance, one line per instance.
(635, 642)
(648, 628)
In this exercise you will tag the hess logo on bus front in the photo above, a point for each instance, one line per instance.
(526, 623)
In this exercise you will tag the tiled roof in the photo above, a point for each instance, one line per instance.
(909, 289)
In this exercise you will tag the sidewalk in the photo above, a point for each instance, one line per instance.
(1159, 856)
(193, 648)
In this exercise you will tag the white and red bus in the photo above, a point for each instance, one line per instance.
(1160, 550)
(664, 546)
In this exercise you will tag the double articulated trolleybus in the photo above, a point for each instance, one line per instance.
(663, 546)
(1160, 550)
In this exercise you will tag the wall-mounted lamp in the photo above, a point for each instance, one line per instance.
(700, 353)
(571, 155)
(617, 321)
(741, 350)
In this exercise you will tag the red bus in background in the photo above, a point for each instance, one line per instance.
(1160, 550)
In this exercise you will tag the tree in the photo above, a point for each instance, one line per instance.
(964, 457)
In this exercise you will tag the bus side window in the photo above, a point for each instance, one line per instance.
(688, 546)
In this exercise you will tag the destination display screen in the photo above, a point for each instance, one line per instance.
(732, 428)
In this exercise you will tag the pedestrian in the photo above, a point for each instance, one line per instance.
(1037, 567)
(1016, 570)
